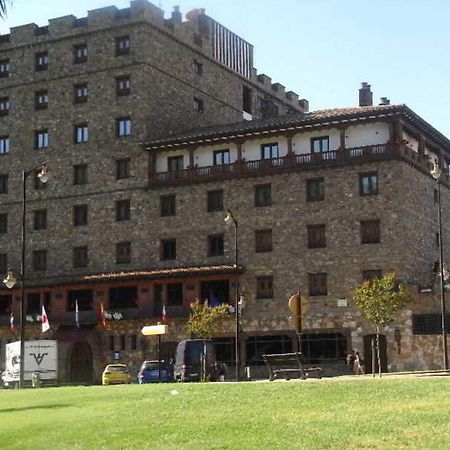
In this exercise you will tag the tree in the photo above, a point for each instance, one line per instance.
(4, 7)
(202, 320)
(378, 300)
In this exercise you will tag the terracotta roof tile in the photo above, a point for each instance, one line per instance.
(163, 273)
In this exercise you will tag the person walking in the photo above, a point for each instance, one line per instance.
(359, 364)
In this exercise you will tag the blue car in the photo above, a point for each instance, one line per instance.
(149, 373)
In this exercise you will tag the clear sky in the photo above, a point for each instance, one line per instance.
(322, 49)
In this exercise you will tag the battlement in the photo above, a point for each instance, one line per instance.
(198, 31)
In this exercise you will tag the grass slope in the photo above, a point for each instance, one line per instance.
(372, 414)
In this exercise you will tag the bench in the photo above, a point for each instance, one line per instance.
(289, 363)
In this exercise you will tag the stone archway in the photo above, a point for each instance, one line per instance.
(81, 367)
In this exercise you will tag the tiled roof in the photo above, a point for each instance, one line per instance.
(291, 122)
(163, 273)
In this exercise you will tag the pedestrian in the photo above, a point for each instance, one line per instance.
(350, 359)
(359, 364)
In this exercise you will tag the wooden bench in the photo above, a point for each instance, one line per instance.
(289, 363)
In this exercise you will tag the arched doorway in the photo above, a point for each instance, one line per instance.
(368, 352)
(81, 363)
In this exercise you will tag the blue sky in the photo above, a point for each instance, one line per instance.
(322, 49)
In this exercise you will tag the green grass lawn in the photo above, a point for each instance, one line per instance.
(395, 413)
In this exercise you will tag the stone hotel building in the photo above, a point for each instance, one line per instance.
(152, 129)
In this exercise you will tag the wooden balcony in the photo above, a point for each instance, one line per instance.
(289, 163)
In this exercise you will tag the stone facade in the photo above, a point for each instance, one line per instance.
(177, 84)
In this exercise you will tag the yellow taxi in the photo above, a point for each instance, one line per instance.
(116, 374)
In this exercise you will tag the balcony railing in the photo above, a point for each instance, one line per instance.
(290, 162)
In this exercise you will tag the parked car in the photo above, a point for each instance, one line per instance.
(196, 360)
(149, 372)
(116, 374)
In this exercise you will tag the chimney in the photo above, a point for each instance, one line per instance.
(176, 15)
(384, 101)
(365, 95)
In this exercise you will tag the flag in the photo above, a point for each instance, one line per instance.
(11, 321)
(44, 320)
(102, 315)
(77, 314)
(164, 313)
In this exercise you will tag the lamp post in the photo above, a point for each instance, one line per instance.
(231, 220)
(42, 173)
(436, 174)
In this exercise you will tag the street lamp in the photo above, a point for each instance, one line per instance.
(43, 176)
(436, 174)
(231, 220)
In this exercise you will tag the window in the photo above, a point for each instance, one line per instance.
(80, 133)
(80, 256)
(123, 86)
(429, 323)
(370, 231)
(247, 99)
(122, 45)
(41, 139)
(83, 297)
(123, 127)
(316, 236)
(175, 294)
(320, 144)
(80, 53)
(80, 93)
(264, 287)
(3, 223)
(80, 174)
(198, 68)
(33, 303)
(122, 168)
(214, 201)
(40, 260)
(168, 249)
(41, 61)
(215, 245)
(122, 210)
(168, 205)
(4, 68)
(437, 240)
(221, 157)
(263, 240)
(436, 196)
(41, 99)
(175, 163)
(4, 106)
(123, 297)
(315, 190)
(3, 263)
(3, 184)
(198, 104)
(122, 341)
(368, 184)
(369, 275)
(40, 219)
(4, 145)
(263, 195)
(123, 252)
(318, 284)
(269, 151)
(80, 215)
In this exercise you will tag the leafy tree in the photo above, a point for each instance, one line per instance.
(378, 300)
(202, 320)
(4, 7)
